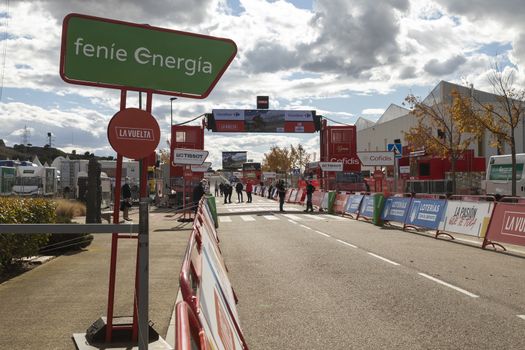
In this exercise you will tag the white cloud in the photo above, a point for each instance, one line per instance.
(373, 111)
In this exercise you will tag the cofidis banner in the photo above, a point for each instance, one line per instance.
(426, 213)
(396, 209)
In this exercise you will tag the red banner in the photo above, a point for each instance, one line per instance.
(507, 224)
(317, 198)
(340, 203)
(229, 125)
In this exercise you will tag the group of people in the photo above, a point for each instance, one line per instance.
(226, 190)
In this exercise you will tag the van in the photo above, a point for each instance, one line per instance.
(498, 180)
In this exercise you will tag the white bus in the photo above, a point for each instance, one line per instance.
(498, 180)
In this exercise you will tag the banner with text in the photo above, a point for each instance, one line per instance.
(353, 203)
(507, 224)
(367, 207)
(426, 213)
(396, 209)
(466, 217)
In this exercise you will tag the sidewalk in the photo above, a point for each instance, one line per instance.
(42, 308)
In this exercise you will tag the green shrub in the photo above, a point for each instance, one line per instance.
(59, 243)
(23, 211)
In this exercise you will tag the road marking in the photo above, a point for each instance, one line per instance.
(521, 316)
(384, 259)
(247, 218)
(306, 227)
(225, 219)
(315, 217)
(293, 222)
(329, 217)
(270, 217)
(346, 243)
(472, 295)
(291, 216)
(321, 233)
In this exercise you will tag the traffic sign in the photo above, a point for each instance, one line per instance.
(133, 133)
(108, 53)
(182, 156)
(396, 148)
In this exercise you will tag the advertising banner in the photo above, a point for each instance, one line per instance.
(367, 207)
(251, 167)
(353, 203)
(466, 217)
(331, 166)
(183, 156)
(340, 203)
(233, 160)
(317, 198)
(426, 213)
(507, 224)
(376, 158)
(396, 209)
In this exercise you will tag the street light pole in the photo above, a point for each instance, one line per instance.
(171, 101)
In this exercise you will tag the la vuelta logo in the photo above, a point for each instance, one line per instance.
(513, 224)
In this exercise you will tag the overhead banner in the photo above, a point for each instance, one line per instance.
(426, 212)
(331, 166)
(466, 217)
(263, 120)
(233, 160)
(183, 156)
(251, 167)
(376, 158)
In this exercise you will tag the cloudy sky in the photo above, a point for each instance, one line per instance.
(343, 58)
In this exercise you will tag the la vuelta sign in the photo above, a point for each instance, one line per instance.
(507, 224)
(134, 133)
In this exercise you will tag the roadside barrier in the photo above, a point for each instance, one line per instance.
(352, 205)
(317, 199)
(468, 215)
(291, 197)
(189, 332)
(287, 195)
(425, 213)
(371, 208)
(340, 203)
(301, 195)
(207, 290)
(507, 225)
(396, 209)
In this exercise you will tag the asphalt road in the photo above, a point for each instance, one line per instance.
(322, 282)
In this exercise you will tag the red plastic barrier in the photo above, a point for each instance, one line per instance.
(301, 194)
(317, 198)
(188, 331)
(291, 198)
(287, 195)
(507, 225)
(340, 203)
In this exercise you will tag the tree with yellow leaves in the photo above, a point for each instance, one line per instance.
(277, 160)
(440, 129)
(502, 116)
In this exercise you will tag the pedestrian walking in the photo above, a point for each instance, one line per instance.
(126, 199)
(309, 191)
(221, 188)
(281, 190)
(238, 189)
(249, 190)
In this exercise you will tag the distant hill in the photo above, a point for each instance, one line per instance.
(45, 154)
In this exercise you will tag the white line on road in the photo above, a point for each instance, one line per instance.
(384, 259)
(472, 295)
(521, 316)
(291, 216)
(293, 222)
(225, 219)
(270, 217)
(315, 217)
(247, 218)
(321, 233)
(346, 243)
(306, 227)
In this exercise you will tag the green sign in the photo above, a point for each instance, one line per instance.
(107, 53)
(504, 171)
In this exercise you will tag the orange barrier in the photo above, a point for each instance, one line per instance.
(301, 195)
(340, 203)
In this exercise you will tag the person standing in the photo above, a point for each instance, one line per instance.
(198, 192)
(238, 189)
(216, 189)
(230, 191)
(249, 190)
(221, 189)
(126, 199)
(282, 193)
(309, 191)
(270, 189)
